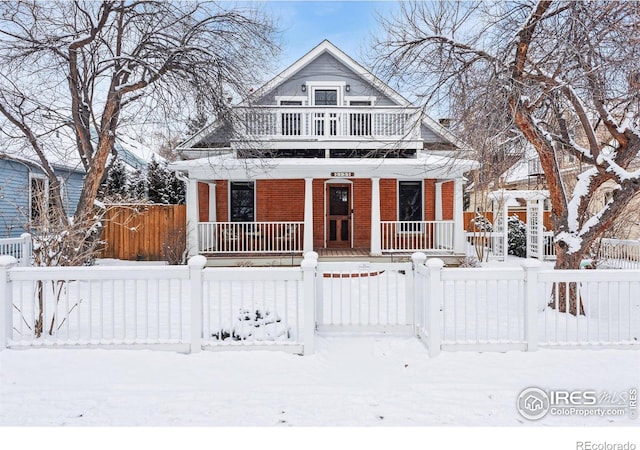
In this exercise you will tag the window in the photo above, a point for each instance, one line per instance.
(291, 120)
(242, 201)
(410, 204)
(38, 198)
(325, 97)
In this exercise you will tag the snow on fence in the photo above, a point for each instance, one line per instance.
(20, 248)
(167, 307)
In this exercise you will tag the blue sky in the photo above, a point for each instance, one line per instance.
(347, 24)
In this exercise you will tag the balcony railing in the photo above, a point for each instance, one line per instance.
(326, 123)
(401, 236)
(250, 237)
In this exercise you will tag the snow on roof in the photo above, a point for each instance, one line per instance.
(60, 149)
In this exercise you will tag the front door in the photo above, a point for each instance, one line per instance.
(338, 216)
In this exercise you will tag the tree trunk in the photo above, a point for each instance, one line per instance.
(563, 292)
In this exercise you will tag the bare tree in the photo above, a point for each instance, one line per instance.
(90, 70)
(565, 72)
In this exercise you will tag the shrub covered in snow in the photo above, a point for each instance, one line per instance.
(481, 223)
(517, 237)
(255, 326)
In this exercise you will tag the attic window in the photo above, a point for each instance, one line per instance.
(325, 97)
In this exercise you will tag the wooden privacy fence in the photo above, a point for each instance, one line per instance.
(141, 232)
(522, 215)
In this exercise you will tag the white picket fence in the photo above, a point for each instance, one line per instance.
(503, 309)
(20, 248)
(182, 308)
(190, 308)
(619, 254)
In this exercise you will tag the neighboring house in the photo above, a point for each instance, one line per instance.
(324, 157)
(22, 182)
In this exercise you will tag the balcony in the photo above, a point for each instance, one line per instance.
(329, 123)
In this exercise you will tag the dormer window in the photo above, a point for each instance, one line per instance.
(325, 97)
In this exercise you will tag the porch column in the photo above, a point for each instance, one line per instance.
(193, 216)
(459, 245)
(376, 244)
(439, 200)
(307, 245)
(439, 232)
(212, 202)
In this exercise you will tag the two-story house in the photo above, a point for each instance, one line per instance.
(324, 157)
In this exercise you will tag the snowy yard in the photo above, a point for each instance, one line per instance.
(368, 380)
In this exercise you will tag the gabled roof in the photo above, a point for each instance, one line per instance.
(327, 47)
(322, 48)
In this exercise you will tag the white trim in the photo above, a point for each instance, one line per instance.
(338, 86)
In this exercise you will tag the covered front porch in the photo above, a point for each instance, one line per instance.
(336, 207)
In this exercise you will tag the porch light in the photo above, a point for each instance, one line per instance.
(347, 88)
(303, 87)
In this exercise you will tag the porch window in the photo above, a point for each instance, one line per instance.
(410, 205)
(242, 201)
(291, 121)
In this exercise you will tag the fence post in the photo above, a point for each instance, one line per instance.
(308, 266)
(25, 250)
(417, 295)
(531, 269)
(196, 264)
(434, 300)
(6, 300)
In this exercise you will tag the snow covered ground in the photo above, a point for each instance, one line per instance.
(372, 380)
(350, 381)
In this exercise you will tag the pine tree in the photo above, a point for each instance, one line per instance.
(137, 187)
(157, 182)
(116, 184)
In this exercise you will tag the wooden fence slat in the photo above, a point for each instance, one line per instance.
(140, 236)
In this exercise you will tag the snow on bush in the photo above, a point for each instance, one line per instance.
(517, 237)
(255, 326)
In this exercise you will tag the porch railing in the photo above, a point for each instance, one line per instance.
(329, 122)
(20, 248)
(250, 237)
(410, 236)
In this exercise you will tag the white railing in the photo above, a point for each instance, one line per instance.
(405, 236)
(291, 122)
(250, 237)
(364, 296)
(20, 248)
(193, 308)
(162, 307)
(549, 247)
(500, 309)
(487, 241)
(619, 254)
